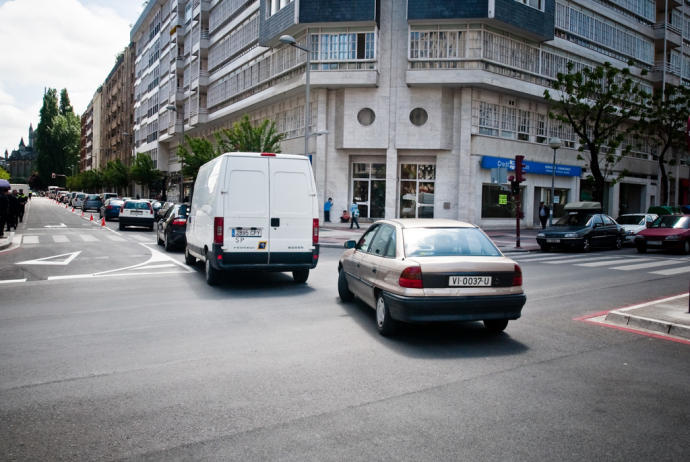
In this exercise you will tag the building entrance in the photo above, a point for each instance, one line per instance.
(369, 188)
(417, 181)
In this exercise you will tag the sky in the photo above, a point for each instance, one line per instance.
(58, 44)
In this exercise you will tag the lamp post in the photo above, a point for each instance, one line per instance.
(180, 191)
(290, 40)
(554, 143)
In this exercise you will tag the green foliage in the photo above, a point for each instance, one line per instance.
(200, 151)
(46, 162)
(65, 105)
(4, 174)
(116, 175)
(664, 122)
(243, 137)
(601, 105)
(143, 172)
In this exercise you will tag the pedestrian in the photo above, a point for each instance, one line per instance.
(13, 210)
(4, 210)
(354, 214)
(327, 210)
(544, 212)
(345, 217)
(22, 205)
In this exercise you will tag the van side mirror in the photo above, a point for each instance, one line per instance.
(350, 244)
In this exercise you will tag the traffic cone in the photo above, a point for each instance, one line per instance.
(82, 213)
(91, 219)
(103, 222)
(72, 209)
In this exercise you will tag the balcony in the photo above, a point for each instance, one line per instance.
(177, 65)
(666, 32)
(203, 79)
(200, 117)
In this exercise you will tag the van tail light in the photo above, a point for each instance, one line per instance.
(517, 276)
(411, 277)
(179, 222)
(268, 154)
(315, 231)
(218, 230)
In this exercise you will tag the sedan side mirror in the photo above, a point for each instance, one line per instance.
(350, 244)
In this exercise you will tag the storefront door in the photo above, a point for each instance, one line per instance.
(417, 181)
(369, 188)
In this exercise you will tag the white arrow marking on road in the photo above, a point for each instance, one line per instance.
(61, 225)
(68, 257)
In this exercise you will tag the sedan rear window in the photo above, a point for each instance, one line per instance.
(137, 205)
(447, 242)
(671, 221)
(92, 197)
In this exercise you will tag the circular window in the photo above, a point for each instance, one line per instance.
(418, 116)
(366, 116)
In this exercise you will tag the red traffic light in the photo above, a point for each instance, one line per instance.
(519, 169)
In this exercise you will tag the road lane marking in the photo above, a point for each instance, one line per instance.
(645, 265)
(672, 271)
(28, 239)
(604, 263)
(115, 237)
(60, 238)
(88, 238)
(51, 260)
(10, 281)
(558, 257)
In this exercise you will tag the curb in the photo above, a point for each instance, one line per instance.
(5, 242)
(639, 322)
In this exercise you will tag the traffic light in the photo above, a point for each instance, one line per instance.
(519, 169)
(515, 188)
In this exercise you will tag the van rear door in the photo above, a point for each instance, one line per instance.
(293, 199)
(246, 208)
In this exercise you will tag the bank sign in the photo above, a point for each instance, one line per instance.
(534, 168)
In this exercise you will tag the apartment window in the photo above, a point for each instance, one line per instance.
(488, 119)
(273, 6)
(508, 122)
(437, 44)
(536, 4)
(342, 46)
(541, 128)
(524, 118)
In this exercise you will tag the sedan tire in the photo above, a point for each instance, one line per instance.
(121, 226)
(159, 241)
(166, 242)
(619, 243)
(343, 288)
(384, 323)
(686, 247)
(641, 248)
(586, 244)
(495, 326)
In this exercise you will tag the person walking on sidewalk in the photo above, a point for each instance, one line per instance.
(543, 214)
(22, 205)
(4, 210)
(13, 210)
(354, 214)
(327, 210)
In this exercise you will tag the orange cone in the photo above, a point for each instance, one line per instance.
(91, 219)
(82, 213)
(103, 221)
(72, 209)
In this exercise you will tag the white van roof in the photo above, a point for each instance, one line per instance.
(265, 154)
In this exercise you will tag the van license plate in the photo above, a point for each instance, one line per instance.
(246, 232)
(469, 281)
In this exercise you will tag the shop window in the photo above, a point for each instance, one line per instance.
(417, 186)
(496, 202)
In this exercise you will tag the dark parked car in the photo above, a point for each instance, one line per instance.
(668, 232)
(92, 202)
(582, 229)
(160, 213)
(111, 208)
(171, 228)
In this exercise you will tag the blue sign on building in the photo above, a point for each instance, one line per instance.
(538, 168)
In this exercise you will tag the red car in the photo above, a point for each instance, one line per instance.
(668, 232)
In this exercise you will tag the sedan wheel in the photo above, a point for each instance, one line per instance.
(686, 247)
(495, 326)
(619, 243)
(586, 245)
(641, 248)
(159, 241)
(166, 242)
(384, 323)
(343, 289)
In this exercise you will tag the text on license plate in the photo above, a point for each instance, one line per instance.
(246, 232)
(653, 242)
(469, 281)
(553, 241)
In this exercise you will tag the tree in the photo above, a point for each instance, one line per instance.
(46, 162)
(243, 137)
(4, 174)
(200, 151)
(35, 182)
(143, 172)
(601, 104)
(664, 123)
(116, 175)
(65, 105)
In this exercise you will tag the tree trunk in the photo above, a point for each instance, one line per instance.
(663, 184)
(599, 180)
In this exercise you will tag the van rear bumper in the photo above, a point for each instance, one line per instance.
(262, 261)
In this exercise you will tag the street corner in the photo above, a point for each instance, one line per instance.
(666, 318)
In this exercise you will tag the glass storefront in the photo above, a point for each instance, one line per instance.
(369, 188)
(417, 181)
(497, 201)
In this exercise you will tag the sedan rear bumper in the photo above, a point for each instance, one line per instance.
(474, 308)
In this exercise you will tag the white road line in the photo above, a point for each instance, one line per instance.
(164, 265)
(603, 263)
(88, 238)
(115, 237)
(111, 275)
(61, 238)
(558, 257)
(645, 265)
(672, 271)
(28, 239)
(11, 281)
(597, 259)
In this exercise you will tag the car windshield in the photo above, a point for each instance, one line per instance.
(671, 221)
(575, 219)
(445, 242)
(137, 205)
(630, 220)
(92, 197)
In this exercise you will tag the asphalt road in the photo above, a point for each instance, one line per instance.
(133, 356)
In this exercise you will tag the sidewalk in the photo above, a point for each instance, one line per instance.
(6, 239)
(663, 318)
(335, 234)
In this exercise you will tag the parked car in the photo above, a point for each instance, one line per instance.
(254, 211)
(581, 228)
(633, 223)
(170, 230)
(110, 208)
(163, 210)
(136, 213)
(668, 232)
(92, 202)
(421, 270)
(78, 200)
(71, 196)
(108, 195)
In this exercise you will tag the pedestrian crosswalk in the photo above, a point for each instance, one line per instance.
(661, 264)
(97, 237)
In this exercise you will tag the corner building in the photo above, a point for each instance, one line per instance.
(425, 102)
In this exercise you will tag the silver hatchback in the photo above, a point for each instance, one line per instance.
(431, 270)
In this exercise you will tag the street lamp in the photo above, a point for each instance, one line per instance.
(290, 40)
(554, 143)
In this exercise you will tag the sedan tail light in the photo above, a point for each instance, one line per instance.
(179, 222)
(411, 277)
(218, 230)
(517, 276)
(109, 207)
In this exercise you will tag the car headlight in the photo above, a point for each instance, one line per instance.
(571, 235)
(541, 235)
(673, 238)
(630, 233)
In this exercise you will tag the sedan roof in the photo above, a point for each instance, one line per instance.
(430, 223)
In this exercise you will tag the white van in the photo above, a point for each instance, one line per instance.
(254, 211)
